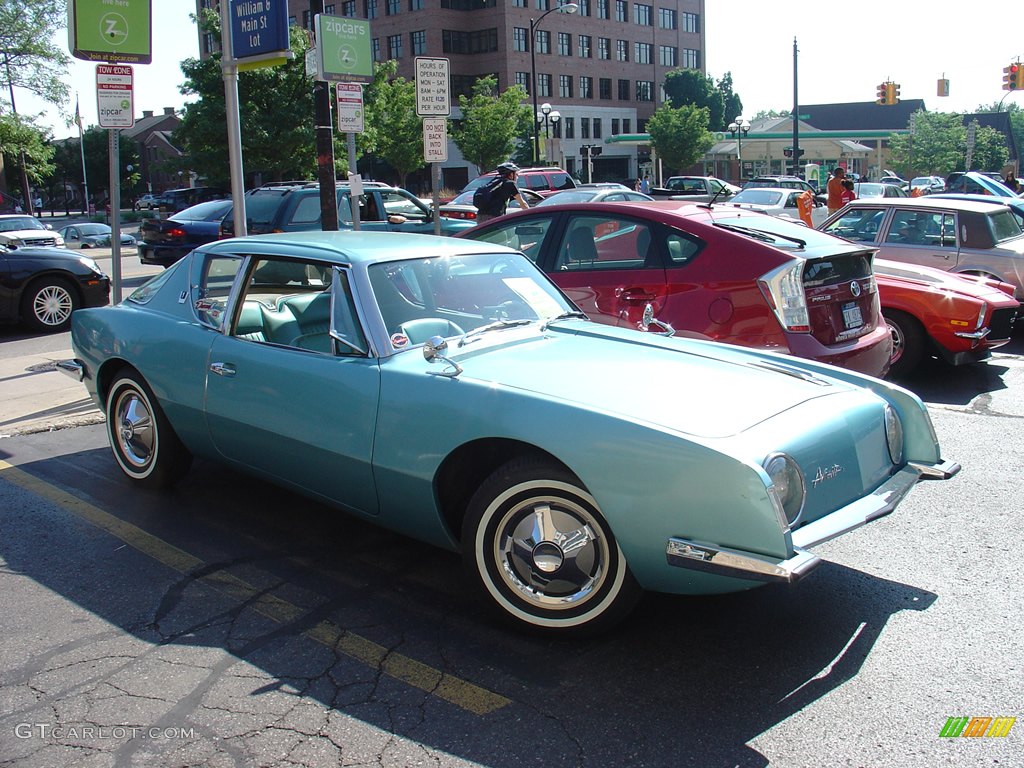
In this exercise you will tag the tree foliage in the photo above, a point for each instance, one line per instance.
(939, 146)
(690, 87)
(395, 132)
(21, 138)
(680, 135)
(492, 123)
(30, 58)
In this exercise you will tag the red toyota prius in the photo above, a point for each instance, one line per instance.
(707, 271)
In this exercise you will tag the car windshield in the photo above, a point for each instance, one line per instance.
(94, 229)
(570, 196)
(869, 190)
(15, 223)
(452, 295)
(755, 196)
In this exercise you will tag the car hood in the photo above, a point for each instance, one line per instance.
(703, 389)
(21, 234)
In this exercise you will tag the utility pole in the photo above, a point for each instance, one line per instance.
(796, 115)
(325, 146)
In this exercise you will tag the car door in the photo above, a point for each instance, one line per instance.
(610, 266)
(921, 236)
(291, 389)
(402, 212)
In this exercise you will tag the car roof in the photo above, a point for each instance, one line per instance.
(934, 201)
(349, 247)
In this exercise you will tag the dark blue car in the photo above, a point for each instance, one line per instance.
(164, 241)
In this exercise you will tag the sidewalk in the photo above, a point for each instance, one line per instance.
(38, 398)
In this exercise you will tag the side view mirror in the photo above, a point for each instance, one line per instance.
(434, 350)
(649, 320)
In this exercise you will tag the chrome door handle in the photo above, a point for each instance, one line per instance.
(222, 369)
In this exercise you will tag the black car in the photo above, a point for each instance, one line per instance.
(41, 287)
(164, 241)
(175, 200)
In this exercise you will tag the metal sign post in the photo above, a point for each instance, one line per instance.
(349, 100)
(115, 107)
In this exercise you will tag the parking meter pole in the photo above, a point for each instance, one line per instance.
(353, 200)
(229, 70)
(114, 153)
(435, 174)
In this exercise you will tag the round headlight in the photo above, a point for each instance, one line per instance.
(894, 434)
(789, 484)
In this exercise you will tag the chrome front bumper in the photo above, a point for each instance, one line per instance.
(721, 561)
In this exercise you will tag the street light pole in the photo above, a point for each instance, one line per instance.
(739, 128)
(534, 23)
(546, 117)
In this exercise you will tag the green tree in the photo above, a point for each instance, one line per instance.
(732, 103)
(397, 131)
(275, 112)
(688, 87)
(30, 58)
(939, 146)
(26, 148)
(680, 135)
(492, 123)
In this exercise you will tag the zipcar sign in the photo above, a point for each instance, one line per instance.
(258, 27)
(111, 30)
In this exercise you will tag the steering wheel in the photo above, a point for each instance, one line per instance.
(501, 266)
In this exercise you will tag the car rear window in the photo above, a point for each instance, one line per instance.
(261, 206)
(1004, 225)
(789, 232)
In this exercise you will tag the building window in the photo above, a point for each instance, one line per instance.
(585, 42)
(518, 3)
(597, 128)
(543, 41)
(625, 125)
(292, 21)
(642, 15)
(329, 10)
(543, 5)
(415, 5)
(479, 41)
(667, 18)
(523, 79)
(668, 56)
(307, 20)
(520, 39)
(348, 8)
(375, 49)
(556, 128)
(615, 126)
(602, 9)
(586, 87)
(644, 90)
(418, 42)
(570, 127)
(584, 7)
(564, 44)
(623, 90)
(565, 86)
(394, 46)
(544, 86)
(371, 9)
(642, 53)
(691, 22)
(209, 43)
(604, 48)
(604, 88)
(584, 127)
(621, 11)
(691, 59)
(622, 50)
(393, 7)
(467, 5)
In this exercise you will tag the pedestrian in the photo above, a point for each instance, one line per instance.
(491, 200)
(804, 206)
(645, 185)
(638, 184)
(1011, 182)
(835, 190)
(848, 194)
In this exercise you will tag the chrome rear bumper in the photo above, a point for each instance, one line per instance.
(72, 368)
(721, 561)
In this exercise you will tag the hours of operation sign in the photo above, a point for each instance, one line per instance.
(432, 86)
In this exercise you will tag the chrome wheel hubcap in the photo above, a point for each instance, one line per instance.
(550, 553)
(897, 343)
(136, 435)
(52, 305)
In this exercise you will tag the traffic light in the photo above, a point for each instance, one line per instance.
(894, 93)
(883, 94)
(1012, 77)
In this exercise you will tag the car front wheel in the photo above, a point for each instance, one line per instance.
(47, 304)
(908, 341)
(142, 439)
(538, 546)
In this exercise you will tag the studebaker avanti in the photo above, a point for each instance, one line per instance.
(448, 390)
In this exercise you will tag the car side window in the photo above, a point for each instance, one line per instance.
(307, 211)
(603, 242)
(298, 304)
(562, 181)
(860, 225)
(523, 235)
(915, 228)
(681, 250)
(213, 277)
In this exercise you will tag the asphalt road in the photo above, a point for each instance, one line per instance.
(230, 623)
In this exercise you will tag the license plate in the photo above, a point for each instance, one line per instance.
(851, 316)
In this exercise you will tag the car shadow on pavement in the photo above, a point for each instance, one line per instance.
(684, 681)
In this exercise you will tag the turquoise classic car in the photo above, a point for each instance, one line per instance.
(448, 390)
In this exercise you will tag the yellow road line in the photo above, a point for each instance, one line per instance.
(461, 693)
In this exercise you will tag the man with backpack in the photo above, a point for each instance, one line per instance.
(492, 198)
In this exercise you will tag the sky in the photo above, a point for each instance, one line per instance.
(845, 51)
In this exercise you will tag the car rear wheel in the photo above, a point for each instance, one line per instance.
(143, 441)
(908, 341)
(47, 304)
(539, 548)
